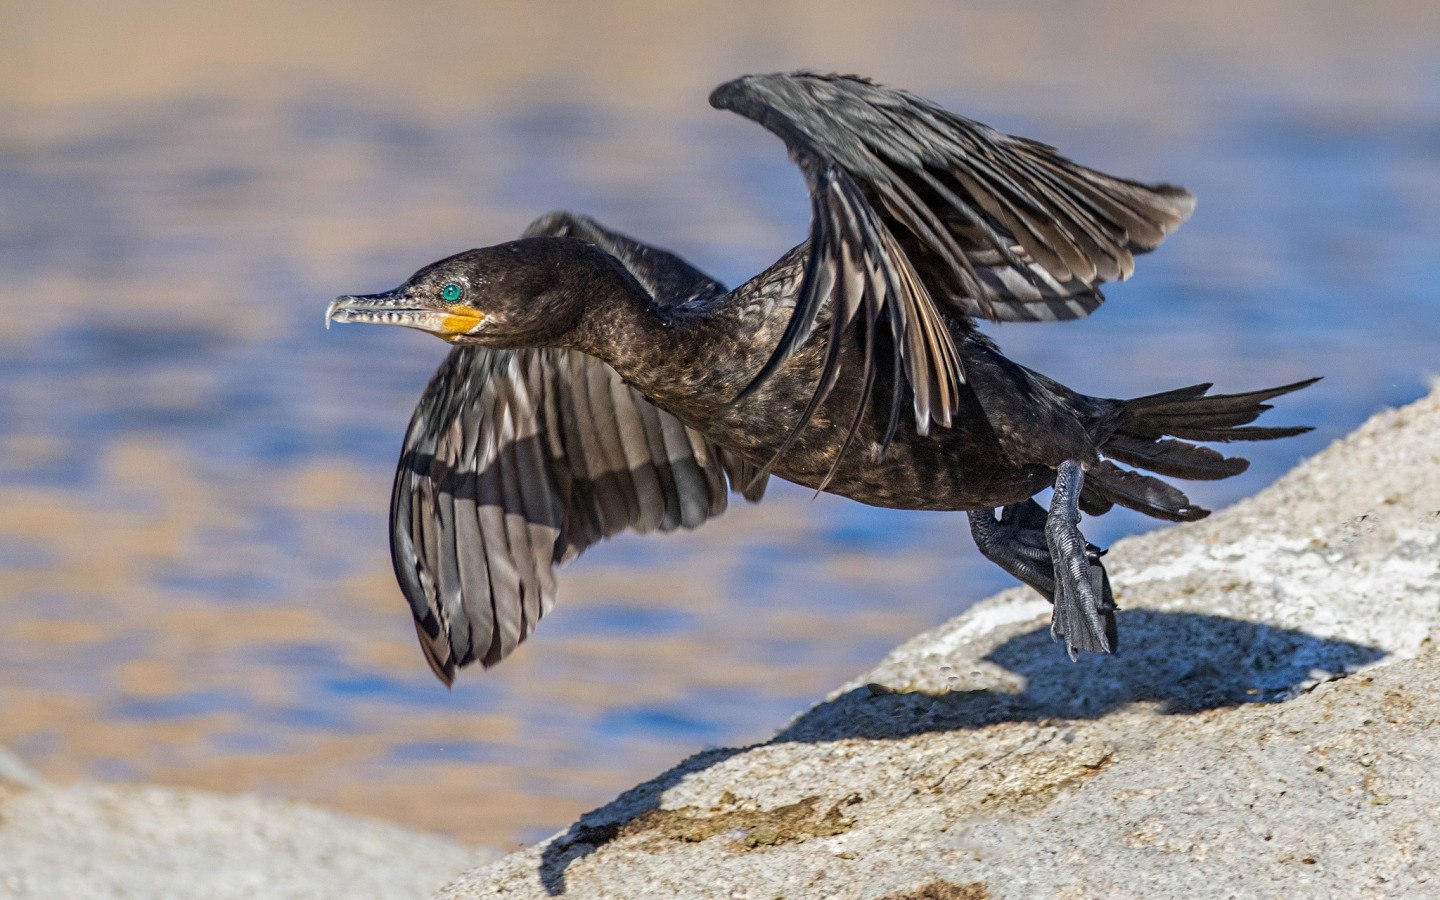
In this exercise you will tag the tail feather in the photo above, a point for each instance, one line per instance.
(1157, 415)
(1153, 433)
(1223, 433)
(1167, 401)
(1143, 493)
(1091, 503)
(1177, 459)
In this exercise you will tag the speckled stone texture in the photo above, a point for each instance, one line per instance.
(1270, 728)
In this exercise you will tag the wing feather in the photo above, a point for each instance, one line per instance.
(921, 217)
(516, 460)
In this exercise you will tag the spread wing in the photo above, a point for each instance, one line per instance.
(517, 460)
(919, 214)
(668, 278)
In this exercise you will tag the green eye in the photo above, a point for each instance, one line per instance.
(452, 292)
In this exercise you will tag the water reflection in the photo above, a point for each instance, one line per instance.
(193, 573)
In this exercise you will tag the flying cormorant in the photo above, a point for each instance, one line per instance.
(599, 384)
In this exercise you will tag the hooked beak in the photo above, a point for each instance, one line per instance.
(398, 308)
(380, 309)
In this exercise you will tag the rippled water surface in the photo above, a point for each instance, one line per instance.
(194, 582)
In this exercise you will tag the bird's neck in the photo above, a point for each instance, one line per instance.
(659, 350)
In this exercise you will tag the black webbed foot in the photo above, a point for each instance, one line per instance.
(1016, 543)
(1084, 605)
(1025, 541)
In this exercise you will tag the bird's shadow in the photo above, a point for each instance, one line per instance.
(1181, 662)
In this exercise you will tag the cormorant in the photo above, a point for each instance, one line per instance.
(599, 384)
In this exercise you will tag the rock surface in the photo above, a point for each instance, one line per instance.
(94, 840)
(1231, 749)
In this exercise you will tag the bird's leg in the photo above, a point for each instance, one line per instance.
(1022, 541)
(1016, 543)
(1084, 607)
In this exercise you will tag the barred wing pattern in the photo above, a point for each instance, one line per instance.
(920, 214)
(516, 460)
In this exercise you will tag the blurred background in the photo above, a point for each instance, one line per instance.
(194, 575)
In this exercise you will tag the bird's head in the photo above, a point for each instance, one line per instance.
(518, 294)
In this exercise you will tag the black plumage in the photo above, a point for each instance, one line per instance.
(600, 384)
